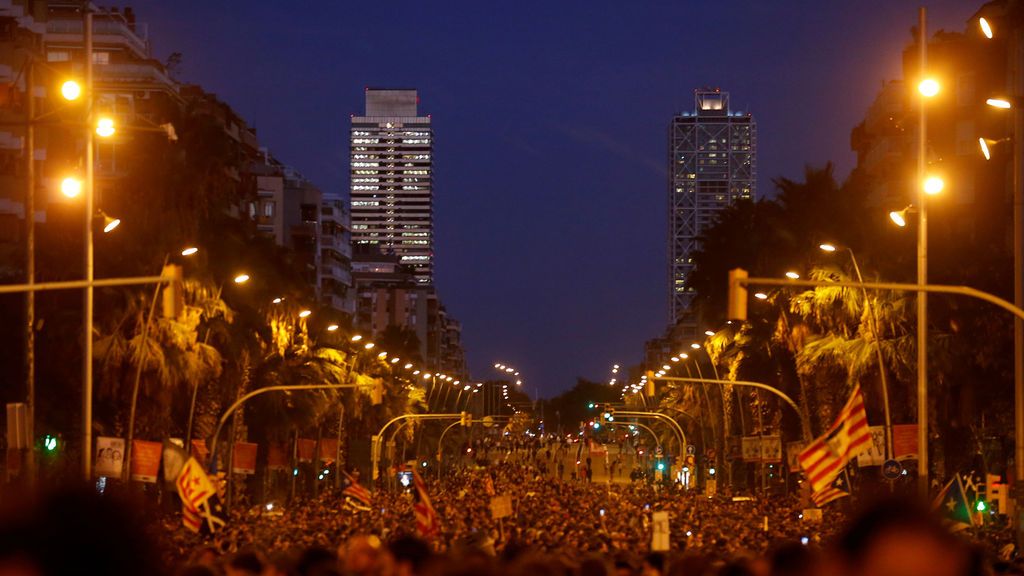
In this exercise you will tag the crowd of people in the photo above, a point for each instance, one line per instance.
(556, 526)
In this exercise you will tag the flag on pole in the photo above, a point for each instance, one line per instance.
(356, 491)
(839, 488)
(847, 437)
(427, 523)
(195, 489)
(952, 504)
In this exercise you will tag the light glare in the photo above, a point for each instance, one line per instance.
(933, 185)
(986, 28)
(928, 87)
(71, 187)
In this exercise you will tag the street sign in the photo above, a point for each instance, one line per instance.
(892, 469)
(488, 421)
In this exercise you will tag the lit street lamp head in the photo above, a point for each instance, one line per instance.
(105, 127)
(933, 185)
(792, 275)
(332, 327)
(897, 216)
(305, 313)
(189, 251)
(109, 223)
(999, 103)
(928, 87)
(986, 28)
(70, 90)
(827, 247)
(241, 279)
(71, 187)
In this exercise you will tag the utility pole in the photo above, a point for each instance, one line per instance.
(922, 267)
(90, 190)
(30, 265)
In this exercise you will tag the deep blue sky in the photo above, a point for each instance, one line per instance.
(550, 131)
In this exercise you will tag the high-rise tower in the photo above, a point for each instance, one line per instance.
(392, 179)
(712, 163)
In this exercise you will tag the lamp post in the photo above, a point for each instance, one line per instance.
(873, 319)
(922, 260)
(90, 181)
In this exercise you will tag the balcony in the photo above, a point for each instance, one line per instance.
(105, 32)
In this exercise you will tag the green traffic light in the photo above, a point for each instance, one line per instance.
(661, 465)
(591, 405)
(50, 443)
(980, 506)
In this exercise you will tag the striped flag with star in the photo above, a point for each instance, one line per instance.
(953, 505)
(356, 491)
(839, 488)
(847, 437)
(195, 489)
(427, 523)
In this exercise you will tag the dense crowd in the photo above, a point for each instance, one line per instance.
(556, 526)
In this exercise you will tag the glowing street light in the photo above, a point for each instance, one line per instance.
(189, 251)
(305, 313)
(695, 346)
(277, 300)
(109, 223)
(928, 87)
(827, 247)
(369, 345)
(986, 28)
(71, 187)
(933, 185)
(709, 332)
(357, 338)
(999, 103)
(332, 327)
(70, 90)
(105, 127)
(899, 217)
(761, 296)
(241, 279)
(792, 275)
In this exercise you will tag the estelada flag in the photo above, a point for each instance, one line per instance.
(427, 523)
(356, 491)
(194, 488)
(844, 440)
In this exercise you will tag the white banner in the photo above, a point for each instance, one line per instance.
(109, 456)
(660, 534)
(875, 454)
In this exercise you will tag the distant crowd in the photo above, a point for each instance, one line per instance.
(556, 526)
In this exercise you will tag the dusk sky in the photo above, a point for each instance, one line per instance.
(550, 124)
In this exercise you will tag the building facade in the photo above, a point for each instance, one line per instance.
(712, 163)
(391, 188)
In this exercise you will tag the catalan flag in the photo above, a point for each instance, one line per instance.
(427, 523)
(839, 488)
(847, 437)
(356, 491)
(195, 489)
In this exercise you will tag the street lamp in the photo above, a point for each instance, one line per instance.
(305, 313)
(928, 87)
(109, 223)
(71, 187)
(896, 217)
(791, 275)
(986, 28)
(241, 278)
(105, 127)
(932, 185)
(189, 251)
(999, 103)
(70, 90)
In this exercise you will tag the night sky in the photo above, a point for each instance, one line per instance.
(550, 124)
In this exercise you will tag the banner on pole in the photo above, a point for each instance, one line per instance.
(146, 460)
(875, 454)
(793, 449)
(109, 456)
(660, 532)
(245, 458)
(501, 506)
(277, 457)
(328, 449)
(904, 441)
(306, 447)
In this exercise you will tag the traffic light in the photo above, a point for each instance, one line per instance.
(661, 466)
(466, 419)
(50, 443)
(590, 406)
(174, 297)
(737, 302)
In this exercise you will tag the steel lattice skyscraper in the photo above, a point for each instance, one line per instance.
(712, 163)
